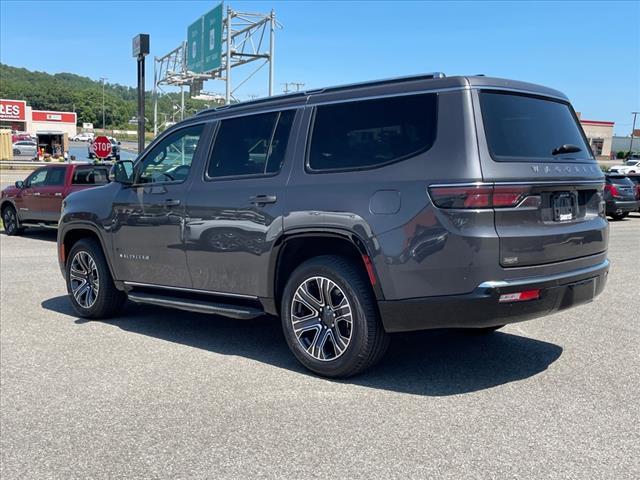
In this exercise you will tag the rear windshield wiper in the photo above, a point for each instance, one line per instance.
(566, 148)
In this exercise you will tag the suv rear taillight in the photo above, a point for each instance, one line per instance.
(478, 196)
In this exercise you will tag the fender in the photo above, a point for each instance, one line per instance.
(64, 230)
(333, 232)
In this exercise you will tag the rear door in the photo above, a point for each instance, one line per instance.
(234, 215)
(547, 185)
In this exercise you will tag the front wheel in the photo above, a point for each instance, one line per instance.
(11, 222)
(89, 282)
(330, 317)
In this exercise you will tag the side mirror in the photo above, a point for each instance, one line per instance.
(119, 143)
(19, 184)
(122, 172)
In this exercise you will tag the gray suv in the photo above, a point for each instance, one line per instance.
(352, 212)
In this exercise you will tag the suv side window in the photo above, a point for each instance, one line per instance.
(370, 133)
(90, 176)
(170, 160)
(251, 145)
(37, 178)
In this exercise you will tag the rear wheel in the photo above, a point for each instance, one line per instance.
(89, 282)
(10, 221)
(618, 216)
(330, 318)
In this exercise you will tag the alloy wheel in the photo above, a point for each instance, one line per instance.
(321, 317)
(84, 279)
(9, 219)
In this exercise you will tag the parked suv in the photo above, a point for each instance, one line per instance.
(620, 196)
(352, 212)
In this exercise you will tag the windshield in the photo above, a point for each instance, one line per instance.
(526, 128)
(632, 163)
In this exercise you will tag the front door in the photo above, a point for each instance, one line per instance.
(29, 206)
(235, 215)
(149, 215)
(51, 194)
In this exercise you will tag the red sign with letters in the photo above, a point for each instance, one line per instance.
(102, 147)
(13, 110)
(45, 116)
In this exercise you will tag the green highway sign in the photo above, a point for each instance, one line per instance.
(212, 39)
(194, 47)
(204, 42)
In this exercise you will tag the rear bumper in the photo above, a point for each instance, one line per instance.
(622, 206)
(481, 307)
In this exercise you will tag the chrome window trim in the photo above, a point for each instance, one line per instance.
(193, 290)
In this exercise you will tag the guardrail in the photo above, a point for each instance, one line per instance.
(23, 164)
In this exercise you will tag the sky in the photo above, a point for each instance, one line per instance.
(588, 50)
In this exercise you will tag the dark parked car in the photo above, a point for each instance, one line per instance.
(37, 200)
(620, 195)
(635, 178)
(352, 212)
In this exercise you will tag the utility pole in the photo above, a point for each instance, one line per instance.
(104, 126)
(632, 130)
(140, 50)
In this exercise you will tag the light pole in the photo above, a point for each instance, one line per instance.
(104, 126)
(632, 130)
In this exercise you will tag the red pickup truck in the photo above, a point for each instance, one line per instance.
(37, 201)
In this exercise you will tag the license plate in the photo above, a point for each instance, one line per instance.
(564, 206)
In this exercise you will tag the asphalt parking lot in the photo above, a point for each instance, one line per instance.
(159, 393)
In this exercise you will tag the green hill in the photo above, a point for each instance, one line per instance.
(70, 92)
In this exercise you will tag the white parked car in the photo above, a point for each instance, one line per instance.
(82, 137)
(25, 147)
(630, 166)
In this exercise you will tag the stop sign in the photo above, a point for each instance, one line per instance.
(102, 147)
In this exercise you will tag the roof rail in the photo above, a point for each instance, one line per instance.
(409, 78)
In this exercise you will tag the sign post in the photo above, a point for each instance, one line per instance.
(140, 50)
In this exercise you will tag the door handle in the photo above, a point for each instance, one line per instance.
(171, 203)
(58, 194)
(263, 199)
(36, 194)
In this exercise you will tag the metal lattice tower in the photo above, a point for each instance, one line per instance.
(247, 38)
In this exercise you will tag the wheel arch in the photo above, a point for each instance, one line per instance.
(294, 248)
(75, 232)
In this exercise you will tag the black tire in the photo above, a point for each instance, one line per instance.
(618, 216)
(367, 339)
(11, 221)
(109, 300)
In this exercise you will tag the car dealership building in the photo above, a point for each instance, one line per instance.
(18, 116)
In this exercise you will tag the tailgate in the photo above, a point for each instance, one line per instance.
(552, 223)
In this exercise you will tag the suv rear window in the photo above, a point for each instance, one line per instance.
(526, 128)
(371, 133)
(620, 181)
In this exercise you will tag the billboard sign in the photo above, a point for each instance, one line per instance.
(204, 42)
(47, 116)
(13, 110)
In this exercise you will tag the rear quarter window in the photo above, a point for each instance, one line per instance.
(371, 133)
(90, 176)
(527, 128)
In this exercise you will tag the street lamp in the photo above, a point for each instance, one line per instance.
(104, 126)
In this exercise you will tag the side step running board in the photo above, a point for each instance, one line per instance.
(198, 306)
